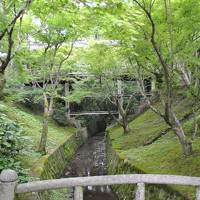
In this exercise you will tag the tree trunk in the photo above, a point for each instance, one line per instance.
(124, 117)
(2, 83)
(47, 112)
(185, 143)
(67, 104)
(120, 96)
(125, 125)
(169, 116)
(43, 139)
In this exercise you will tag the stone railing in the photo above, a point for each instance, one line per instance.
(9, 183)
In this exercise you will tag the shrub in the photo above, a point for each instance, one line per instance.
(12, 143)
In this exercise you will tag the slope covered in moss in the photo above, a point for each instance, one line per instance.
(32, 125)
(164, 156)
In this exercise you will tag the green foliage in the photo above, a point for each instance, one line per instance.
(12, 142)
(122, 46)
(32, 124)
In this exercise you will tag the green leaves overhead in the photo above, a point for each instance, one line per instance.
(112, 33)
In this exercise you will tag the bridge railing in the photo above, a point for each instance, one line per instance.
(9, 183)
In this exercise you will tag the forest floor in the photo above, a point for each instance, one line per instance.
(163, 156)
(31, 123)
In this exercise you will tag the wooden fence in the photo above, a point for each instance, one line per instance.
(9, 183)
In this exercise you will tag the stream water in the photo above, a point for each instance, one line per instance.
(90, 161)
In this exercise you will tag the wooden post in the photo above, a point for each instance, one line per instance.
(119, 93)
(78, 193)
(140, 192)
(198, 193)
(153, 85)
(8, 182)
(67, 105)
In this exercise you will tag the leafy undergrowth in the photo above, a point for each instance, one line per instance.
(164, 156)
(31, 125)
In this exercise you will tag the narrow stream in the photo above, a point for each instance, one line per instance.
(90, 161)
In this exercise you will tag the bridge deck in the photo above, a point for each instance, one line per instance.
(94, 113)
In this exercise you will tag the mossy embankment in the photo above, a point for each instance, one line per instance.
(164, 156)
(61, 145)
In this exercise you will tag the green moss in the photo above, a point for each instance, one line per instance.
(163, 156)
(61, 146)
(32, 125)
(140, 131)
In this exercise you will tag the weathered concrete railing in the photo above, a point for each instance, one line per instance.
(9, 185)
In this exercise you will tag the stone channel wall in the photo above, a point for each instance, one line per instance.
(53, 166)
(59, 160)
(117, 165)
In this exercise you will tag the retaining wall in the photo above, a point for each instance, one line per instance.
(52, 166)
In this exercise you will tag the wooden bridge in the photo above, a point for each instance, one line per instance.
(9, 183)
(88, 113)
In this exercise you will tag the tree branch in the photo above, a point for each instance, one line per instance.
(68, 55)
(168, 101)
(14, 20)
(4, 63)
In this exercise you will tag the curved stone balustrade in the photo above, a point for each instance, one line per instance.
(7, 191)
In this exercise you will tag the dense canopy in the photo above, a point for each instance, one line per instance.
(123, 54)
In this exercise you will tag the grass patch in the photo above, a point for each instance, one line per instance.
(32, 125)
(163, 156)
